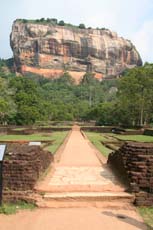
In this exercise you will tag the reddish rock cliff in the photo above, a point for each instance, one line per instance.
(48, 50)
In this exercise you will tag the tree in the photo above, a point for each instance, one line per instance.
(82, 26)
(48, 20)
(54, 20)
(61, 23)
(125, 101)
(42, 19)
(28, 100)
(91, 89)
(135, 94)
(7, 105)
(24, 20)
(103, 113)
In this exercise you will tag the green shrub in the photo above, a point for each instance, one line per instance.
(82, 26)
(42, 19)
(61, 23)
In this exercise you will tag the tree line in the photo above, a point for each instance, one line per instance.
(124, 101)
(54, 21)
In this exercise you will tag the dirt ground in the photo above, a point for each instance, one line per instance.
(78, 152)
(80, 169)
(72, 219)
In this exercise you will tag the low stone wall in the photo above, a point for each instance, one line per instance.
(134, 161)
(3, 130)
(29, 131)
(11, 196)
(22, 167)
(112, 129)
(148, 132)
(134, 132)
(54, 129)
(6, 129)
(97, 129)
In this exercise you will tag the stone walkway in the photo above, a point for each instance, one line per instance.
(79, 169)
(83, 179)
(78, 152)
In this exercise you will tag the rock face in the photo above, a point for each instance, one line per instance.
(49, 50)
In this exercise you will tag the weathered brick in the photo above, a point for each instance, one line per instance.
(135, 160)
(22, 168)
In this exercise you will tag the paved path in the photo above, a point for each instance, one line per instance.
(79, 169)
(78, 152)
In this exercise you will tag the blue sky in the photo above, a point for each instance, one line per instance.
(132, 19)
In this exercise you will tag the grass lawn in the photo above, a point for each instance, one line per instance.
(139, 138)
(58, 138)
(32, 137)
(96, 139)
(8, 209)
(147, 214)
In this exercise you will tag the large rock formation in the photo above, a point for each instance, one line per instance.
(48, 50)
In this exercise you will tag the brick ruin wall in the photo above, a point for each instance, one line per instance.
(29, 130)
(112, 129)
(97, 129)
(135, 162)
(22, 167)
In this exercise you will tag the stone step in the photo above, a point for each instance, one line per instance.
(86, 199)
(79, 188)
(89, 196)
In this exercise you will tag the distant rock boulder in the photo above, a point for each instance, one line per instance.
(48, 49)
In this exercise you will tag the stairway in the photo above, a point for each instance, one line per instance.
(83, 187)
(118, 200)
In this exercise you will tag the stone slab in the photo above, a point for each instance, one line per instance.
(2, 151)
(34, 143)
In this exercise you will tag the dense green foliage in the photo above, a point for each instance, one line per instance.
(25, 100)
(135, 95)
(82, 26)
(128, 100)
(7, 105)
(61, 23)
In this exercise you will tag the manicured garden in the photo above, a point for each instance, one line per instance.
(139, 138)
(101, 141)
(32, 137)
(96, 139)
(57, 138)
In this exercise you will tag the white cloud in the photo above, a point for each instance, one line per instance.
(143, 40)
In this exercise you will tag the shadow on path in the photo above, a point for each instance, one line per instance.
(126, 219)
